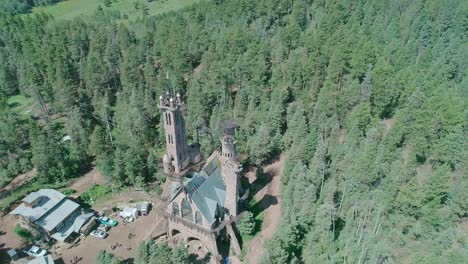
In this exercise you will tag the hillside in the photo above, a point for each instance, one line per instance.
(365, 99)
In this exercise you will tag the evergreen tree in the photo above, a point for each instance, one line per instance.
(247, 224)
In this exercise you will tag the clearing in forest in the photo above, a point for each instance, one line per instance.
(70, 9)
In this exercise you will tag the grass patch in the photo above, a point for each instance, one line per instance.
(24, 190)
(22, 105)
(133, 9)
(68, 191)
(95, 193)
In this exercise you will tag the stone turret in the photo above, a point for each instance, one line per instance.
(230, 168)
(228, 148)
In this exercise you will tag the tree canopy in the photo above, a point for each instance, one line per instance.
(367, 99)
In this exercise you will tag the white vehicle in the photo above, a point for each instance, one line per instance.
(103, 228)
(35, 251)
(99, 234)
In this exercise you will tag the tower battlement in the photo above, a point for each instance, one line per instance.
(168, 102)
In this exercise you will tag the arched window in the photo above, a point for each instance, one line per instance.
(187, 210)
(198, 218)
(167, 119)
(175, 209)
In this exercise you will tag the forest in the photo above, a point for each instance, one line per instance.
(367, 100)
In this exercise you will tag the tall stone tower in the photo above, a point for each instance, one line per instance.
(230, 168)
(179, 155)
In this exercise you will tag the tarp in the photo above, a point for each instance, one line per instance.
(129, 211)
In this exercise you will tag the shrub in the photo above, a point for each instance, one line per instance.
(23, 233)
(95, 192)
(68, 191)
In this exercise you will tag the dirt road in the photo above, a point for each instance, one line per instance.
(272, 213)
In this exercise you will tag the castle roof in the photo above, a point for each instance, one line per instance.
(206, 188)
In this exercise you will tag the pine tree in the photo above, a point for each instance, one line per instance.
(247, 223)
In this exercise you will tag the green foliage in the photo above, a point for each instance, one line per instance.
(103, 257)
(96, 192)
(15, 152)
(247, 224)
(23, 233)
(68, 191)
(107, 3)
(70, 9)
(366, 98)
(150, 252)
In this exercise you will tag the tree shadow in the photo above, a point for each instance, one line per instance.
(266, 201)
(262, 179)
(223, 243)
(59, 261)
(4, 258)
(13, 105)
(128, 261)
(193, 259)
(238, 235)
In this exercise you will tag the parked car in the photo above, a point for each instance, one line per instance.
(103, 228)
(128, 219)
(107, 221)
(99, 234)
(35, 251)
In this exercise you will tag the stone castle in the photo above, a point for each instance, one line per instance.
(202, 196)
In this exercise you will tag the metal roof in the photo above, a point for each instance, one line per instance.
(49, 198)
(31, 197)
(207, 188)
(81, 220)
(74, 225)
(58, 215)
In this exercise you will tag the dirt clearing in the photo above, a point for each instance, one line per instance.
(125, 237)
(91, 178)
(269, 192)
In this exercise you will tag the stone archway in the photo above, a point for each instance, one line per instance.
(196, 247)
